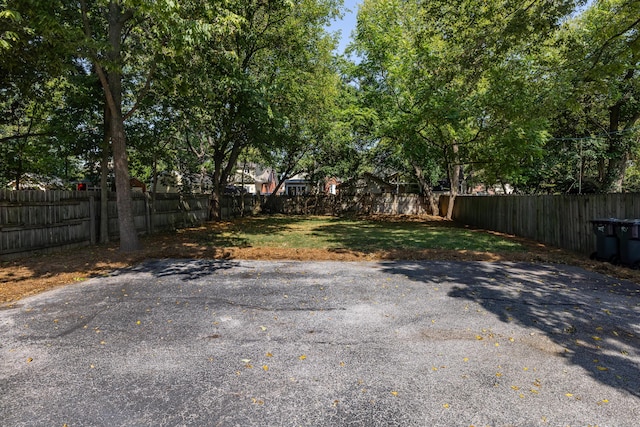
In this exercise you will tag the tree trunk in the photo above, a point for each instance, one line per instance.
(427, 189)
(104, 184)
(616, 166)
(454, 178)
(155, 190)
(617, 154)
(128, 235)
(18, 171)
(215, 213)
(619, 151)
(215, 209)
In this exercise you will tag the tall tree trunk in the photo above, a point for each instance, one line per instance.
(454, 178)
(128, 235)
(18, 172)
(617, 154)
(619, 151)
(616, 167)
(111, 82)
(104, 183)
(154, 172)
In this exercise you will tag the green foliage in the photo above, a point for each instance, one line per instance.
(598, 61)
(532, 94)
(453, 83)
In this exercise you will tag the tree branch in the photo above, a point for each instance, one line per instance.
(143, 92)
(23, 136)
(600, 51)
(99, 70)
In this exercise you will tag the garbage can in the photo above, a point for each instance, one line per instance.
(628, 233)
(606, 240)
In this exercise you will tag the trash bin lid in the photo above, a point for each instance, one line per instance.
(605, 220)
(628, 222)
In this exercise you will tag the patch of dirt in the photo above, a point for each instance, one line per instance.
(37, 273)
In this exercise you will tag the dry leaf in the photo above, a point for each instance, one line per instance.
(304, 356)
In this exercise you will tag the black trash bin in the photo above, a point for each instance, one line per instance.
(606, 240)
(628, 233)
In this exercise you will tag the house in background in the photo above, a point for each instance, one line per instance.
(175, 182)
(297, 185)
(268, 181)
(255, 179)
(249, 178)
(243, 180)
(32, 181)
(331, 186)
(367, 183)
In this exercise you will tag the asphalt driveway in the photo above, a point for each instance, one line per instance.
(250, 343)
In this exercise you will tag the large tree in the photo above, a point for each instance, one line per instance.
(437, 72)
(35, 60)
(251, 83)
(126, 41)
(600, 49)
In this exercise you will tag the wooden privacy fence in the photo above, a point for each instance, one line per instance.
(561, 221)
(322, 204)
(37, 220)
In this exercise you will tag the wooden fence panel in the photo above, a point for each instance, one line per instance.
(43, 220)
(38, 220)
(562, 221)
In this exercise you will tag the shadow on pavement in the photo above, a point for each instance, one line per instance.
(593, 319)
(185, 269)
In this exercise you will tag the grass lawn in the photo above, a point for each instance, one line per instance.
(361, 235)
(290, 238)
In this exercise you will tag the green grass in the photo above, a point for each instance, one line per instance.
(354, 234)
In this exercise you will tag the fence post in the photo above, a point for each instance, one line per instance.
(92, 220)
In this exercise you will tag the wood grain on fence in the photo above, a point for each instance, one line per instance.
(562, 221)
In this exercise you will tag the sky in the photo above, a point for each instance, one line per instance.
(346, 24)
